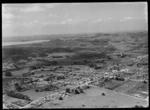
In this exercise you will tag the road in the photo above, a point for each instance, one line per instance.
(43, 99)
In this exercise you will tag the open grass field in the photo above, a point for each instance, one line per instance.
(70, 62)
(92, 98)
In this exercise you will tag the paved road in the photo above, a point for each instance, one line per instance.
(40, 99)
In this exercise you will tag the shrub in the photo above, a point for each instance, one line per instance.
(85, 87)
(119, 78)
(60, 67)
(145, 82)
(51, 77)
(54, 62)
(67, 56)
(73, 91)
(79, 88)
(60, 77)
(47, 89)
(138, 106)
(103, 94)
(60, 98)
(109, 58)
(48, 79)
(36, 90)
(91, 65)
(86, 61)
(32, 73)
(68, 90)
(98, 67)
(18, 87)
(77, 91)
(109, 88)
(8, 73)
(17, 95)
(76, 62)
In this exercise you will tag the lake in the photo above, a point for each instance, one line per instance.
(24, 42)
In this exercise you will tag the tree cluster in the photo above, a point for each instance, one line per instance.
(119, 78)
(49, 87)
(18, 95)
(8, 73)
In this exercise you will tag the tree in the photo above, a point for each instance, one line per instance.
(91, 65)
(47, 89)
(54, 62)
(68, 90)
(60, 67)
(79, 88)
(60, 98)
(36, 90)
(8, 73)
(138, 106)
(76, 62)
(86, 61)
(60, 77)
(98, 67)
(109, 58)
(145, 82)
(85, 87)
(17, 95)
(76, 91)
(48, 79)
(103, 94)
(18, 87)
(32, 73)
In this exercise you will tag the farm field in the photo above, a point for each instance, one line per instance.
(103, 72)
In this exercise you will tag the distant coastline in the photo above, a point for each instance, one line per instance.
(23, 42)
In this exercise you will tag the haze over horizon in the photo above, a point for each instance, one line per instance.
(66, 18)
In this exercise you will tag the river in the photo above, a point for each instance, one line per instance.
(24, 42)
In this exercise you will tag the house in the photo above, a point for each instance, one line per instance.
(8, 66)
(41, 83)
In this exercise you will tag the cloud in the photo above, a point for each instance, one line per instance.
(33, 8)
(74, 21)
(10, 24)
(75, 3)
(102, 20)
(3, 8)
(50, 23)
(31, 23)
(126, 19)
(66, 15)
(68, 21)
(6, 24)
(130, 18)
(8, 8)
(51, 5)
(5, 13)
(52, 15)
(7, 16)
(108, 19)
(97, 20)
(39, 7)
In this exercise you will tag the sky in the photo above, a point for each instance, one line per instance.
(62, 18)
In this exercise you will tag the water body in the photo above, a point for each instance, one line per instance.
(24, 42)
